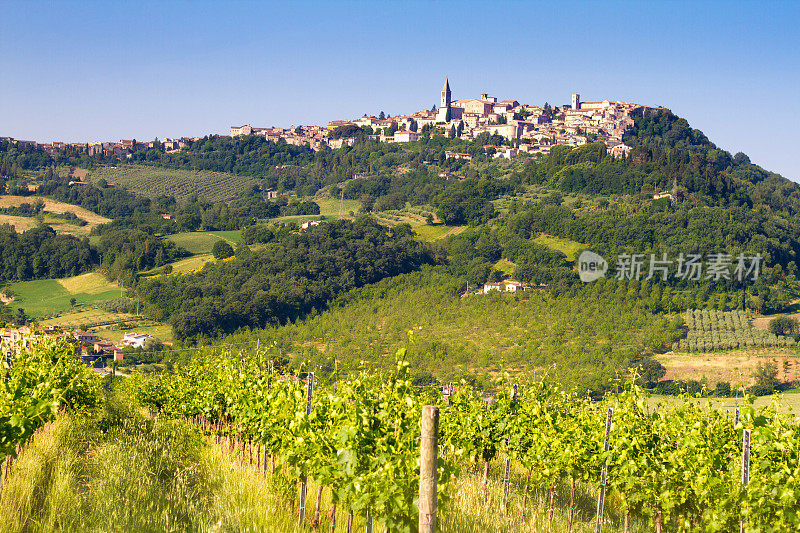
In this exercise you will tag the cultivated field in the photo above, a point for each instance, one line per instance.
(48, 297)
(436, 232)
(20, 223)
(51, 206)
(55, 206)
(734, 366)
(156, 181)
(201, 242)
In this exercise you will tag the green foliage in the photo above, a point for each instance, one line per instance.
(127, 251)
(38, 380)
(285, 280)
(222, 250)
(582, 339)
(40, 253)
(784, 325)
(361, 439)
(766, 375)
(713, 330)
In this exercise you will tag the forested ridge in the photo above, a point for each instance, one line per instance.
(288, 278)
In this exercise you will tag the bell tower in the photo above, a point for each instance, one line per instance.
(445, 103)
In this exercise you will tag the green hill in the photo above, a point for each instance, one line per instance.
(582, 338)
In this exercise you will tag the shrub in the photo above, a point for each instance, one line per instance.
(222, 250)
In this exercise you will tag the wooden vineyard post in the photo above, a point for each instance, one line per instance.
(601, 499)
(507, 475)
(303, 478)
(429, 444)
(505, 484)
(736, 417)
(370, 522)
(745, 466)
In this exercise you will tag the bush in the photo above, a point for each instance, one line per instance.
(723, 389)
(222, 250)
(760, 390)
(784, 325)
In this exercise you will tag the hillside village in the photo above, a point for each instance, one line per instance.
(89, 347)
(525, 128)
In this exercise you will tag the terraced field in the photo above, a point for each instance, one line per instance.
(157, 181)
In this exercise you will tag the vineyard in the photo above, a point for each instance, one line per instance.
(686, 468)
(153, 182)
(713, 330)
(37, 382)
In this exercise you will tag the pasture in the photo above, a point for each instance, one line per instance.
(201, 242)
(91, 317)
(787, 402)
(48, 297)
(20, 224)
(430, 233)
(330, 207)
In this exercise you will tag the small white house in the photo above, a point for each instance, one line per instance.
(503, 286)
(311, 223)
(136, 340)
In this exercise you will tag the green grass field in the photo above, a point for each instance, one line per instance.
(234, 236)
(472, 336)
(192, 263)
(329, 207)
(505, 266)
(151, 181)
(565, 246)
(439, 231)
(47, 297)
(201, 242)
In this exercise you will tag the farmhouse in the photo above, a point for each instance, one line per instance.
(135, 340)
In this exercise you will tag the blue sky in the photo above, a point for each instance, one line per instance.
(108, 70)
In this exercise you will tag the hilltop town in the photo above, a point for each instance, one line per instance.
(526, 128)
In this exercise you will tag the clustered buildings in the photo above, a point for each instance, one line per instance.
(528, 128)
(88, 346)
(123, 148)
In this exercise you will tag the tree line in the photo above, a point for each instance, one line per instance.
(287, 279)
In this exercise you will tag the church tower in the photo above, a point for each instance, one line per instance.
(445, 95)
